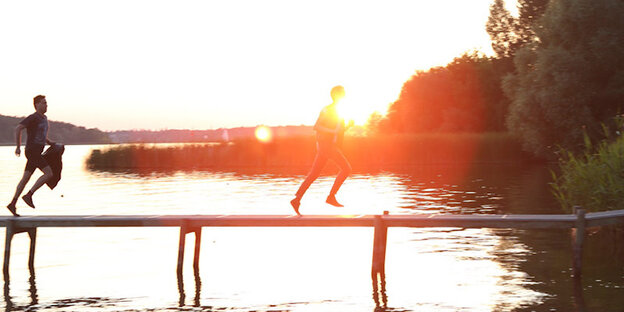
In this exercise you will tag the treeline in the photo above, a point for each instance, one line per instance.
(558, 71)
(201, 136)
(61, 132)
(463, 96)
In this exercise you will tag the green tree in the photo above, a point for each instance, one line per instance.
(570, 78)
(463, 96)
(529, 11)
(509, 33)
(501, 28)
(466, 94)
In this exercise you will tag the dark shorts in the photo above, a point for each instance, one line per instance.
(35, 160)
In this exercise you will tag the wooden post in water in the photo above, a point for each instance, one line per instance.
(198, 232)
(379, 246)
(579, 239)
(32, 233)
(183, 231)
(11, 230)
(7, 249)
(181, 246)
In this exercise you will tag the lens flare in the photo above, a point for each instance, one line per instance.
(349, 111)
(264, 134)
(359, 107)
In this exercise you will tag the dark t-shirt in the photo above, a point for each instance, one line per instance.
(36, 130)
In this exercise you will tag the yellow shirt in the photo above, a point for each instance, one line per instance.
(330, 119)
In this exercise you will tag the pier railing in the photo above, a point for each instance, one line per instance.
(194, 223)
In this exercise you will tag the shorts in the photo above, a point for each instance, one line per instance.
(35, 159)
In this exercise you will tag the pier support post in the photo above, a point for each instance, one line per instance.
(11, 230)
(181, 246)
(32, 233)
(379, 246)
(378, 270)
(183, 231)
(198, 232)
(579, 239)
(7, 249)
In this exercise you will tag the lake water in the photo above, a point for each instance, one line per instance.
(303, 269)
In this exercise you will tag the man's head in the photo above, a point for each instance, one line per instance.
(337, 93)
(40, 103)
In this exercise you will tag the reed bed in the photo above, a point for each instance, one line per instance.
(593, 179)
(365, 153)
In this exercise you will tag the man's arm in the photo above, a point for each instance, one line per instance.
(18, 138)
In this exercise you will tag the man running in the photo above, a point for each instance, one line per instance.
(330, 128)
(36, 126)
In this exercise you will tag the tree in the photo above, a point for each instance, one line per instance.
(463, 96)
(529, 11)
(500, 26)
(570, 79)
(509, 33)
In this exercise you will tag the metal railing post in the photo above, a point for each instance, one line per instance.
(579, 240)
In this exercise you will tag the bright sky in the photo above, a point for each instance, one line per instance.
(146, 64)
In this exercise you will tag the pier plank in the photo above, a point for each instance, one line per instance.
(419, 220)
(605, 218)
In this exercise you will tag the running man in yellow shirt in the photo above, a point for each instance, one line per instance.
(330, 128)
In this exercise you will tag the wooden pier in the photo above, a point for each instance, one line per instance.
(194, 223)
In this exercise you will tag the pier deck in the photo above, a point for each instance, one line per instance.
(420, 220)
(194, 223)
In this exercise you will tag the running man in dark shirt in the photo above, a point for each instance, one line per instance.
(330, 128)
(36, 126)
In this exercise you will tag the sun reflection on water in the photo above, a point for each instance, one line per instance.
(262, 269)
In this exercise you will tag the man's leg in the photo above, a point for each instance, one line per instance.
(47, 174)
(319, 162)
(18, 191)
(345, 171)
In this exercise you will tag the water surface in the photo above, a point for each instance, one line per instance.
(302, 269)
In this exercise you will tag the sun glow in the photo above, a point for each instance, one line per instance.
(371, 59)
(369, 97)
(264, 134)
(359, 114)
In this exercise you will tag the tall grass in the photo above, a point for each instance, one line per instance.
(364, 153)
(594, 179)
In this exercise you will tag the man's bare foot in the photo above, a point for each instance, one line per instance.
(13, 209)
(28, 199)
(331, 199)
(295, 203)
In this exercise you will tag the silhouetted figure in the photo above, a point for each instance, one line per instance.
(36, 126)
(330, 128)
